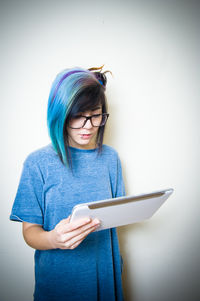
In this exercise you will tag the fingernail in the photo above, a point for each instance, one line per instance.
(87, 220)
(96, 221)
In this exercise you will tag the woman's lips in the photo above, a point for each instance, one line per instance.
(86, 136)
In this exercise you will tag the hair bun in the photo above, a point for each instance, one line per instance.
(100, 76)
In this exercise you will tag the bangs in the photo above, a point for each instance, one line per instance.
(89, 99)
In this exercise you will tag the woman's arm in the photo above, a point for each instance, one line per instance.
(65, 235)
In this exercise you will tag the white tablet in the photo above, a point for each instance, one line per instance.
(123, 210)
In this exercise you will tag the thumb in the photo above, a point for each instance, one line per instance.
(65, 221)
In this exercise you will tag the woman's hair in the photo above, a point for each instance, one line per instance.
(73, 91)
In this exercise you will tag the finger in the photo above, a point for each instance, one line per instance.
(64, 221)
(68, 219)
(76, 240)
(75, 245)
(82, 229)
(64, 226)
(68, 227)
(75, 237)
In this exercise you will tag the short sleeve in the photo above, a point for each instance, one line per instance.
(27, 205)
(120, 187)
(116, 175)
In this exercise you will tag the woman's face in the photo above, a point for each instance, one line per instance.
(85, 137)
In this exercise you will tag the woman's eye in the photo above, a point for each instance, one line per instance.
(96, 115)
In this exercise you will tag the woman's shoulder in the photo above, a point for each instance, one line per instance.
(43, 154)
(109, 151)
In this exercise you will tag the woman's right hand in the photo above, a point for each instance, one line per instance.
(68, 235)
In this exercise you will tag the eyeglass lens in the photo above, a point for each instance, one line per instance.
(79, 121)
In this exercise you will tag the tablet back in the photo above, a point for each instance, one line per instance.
(122, 211)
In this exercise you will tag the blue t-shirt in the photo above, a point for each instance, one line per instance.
(47, 192)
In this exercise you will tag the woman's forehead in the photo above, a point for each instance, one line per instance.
(97, 108)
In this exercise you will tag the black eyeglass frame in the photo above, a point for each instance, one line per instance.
(90, 118)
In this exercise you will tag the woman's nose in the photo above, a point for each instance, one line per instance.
(88, 124)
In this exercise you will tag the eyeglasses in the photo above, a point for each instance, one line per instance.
(79, 121)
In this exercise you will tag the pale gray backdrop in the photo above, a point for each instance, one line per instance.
(152, 48)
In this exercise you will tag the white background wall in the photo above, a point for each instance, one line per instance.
(152, 48)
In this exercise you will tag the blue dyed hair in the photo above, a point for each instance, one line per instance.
(73, 90)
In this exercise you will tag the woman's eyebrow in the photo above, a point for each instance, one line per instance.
(97, 108)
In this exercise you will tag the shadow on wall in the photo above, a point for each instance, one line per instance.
(127, 278)
(126, 241)
(124, 233)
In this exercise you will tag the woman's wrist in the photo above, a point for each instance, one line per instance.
(50, 238)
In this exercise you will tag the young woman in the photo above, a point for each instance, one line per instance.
(71, 261)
